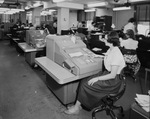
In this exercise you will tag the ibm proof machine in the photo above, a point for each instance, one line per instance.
(67, 60)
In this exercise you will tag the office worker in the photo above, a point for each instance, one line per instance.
(130, 25)
(130, 42)
(91, 27)
(92, 89)
(130, 45)
(49, 29)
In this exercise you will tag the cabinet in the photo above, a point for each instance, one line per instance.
(106, 21)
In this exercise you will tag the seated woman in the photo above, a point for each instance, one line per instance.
(129, 51)
(92, 89)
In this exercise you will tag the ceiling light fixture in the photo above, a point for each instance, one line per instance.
(1, 1)
(4, 9)
(37, 4)
(137, 0)
(100, 4)
(58, 0)
(27, 8)
(121, 8)
(90, 10)
(10, 11)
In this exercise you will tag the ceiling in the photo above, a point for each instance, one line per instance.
(16, 3)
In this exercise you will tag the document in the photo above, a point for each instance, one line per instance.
(76, 54)
(143, 101)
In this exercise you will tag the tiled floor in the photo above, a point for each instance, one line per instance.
(24, 94)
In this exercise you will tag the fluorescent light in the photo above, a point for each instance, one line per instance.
(52, 10)
(10, 11)
(27, 8)
(90, 10)
(121, 8)
(17, 10)
(97, 4)
(4, 9)
(137, 0)
(58, 0)
(1, 1)
(37, 4)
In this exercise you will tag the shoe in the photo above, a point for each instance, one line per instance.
(72, 110)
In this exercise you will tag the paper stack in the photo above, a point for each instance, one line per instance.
(143, 101)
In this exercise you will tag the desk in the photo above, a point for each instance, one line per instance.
(60, 81)
(30, 52)
(137, 112)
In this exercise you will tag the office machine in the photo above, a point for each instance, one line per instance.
(35, 43)
(36, 38)
(70, 53)
(74, 57)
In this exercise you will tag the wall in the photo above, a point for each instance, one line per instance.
(36, 13)
(15, 17)
(121, 17)
(23, 17)
(63, 19)
(73, 18)
(104, 11)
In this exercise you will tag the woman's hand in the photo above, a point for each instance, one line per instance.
(92, 81)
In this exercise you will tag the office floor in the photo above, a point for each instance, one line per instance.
(24, 94)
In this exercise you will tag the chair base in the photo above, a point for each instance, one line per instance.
(109, 110)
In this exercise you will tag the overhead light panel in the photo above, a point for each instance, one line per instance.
(17, 10)
(90, 10)
(100, 4)
(58, 0)
(37, 4)
(121, 8)
(1, 1)
(4, 9)
(27, 8)
(137, 0)
(10, 11)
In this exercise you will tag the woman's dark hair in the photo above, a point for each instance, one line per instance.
(50, 29)
(93, 22)
(130, 33)
(113, 38)
(131, 20)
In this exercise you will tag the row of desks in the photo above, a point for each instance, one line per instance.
(22, 47)
(60, 81)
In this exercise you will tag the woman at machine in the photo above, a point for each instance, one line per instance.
(92, 89)
(129, 46)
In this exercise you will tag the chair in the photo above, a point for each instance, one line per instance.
(132, 62)
(107, 102)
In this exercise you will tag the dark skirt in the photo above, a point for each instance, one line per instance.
(90, 96)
